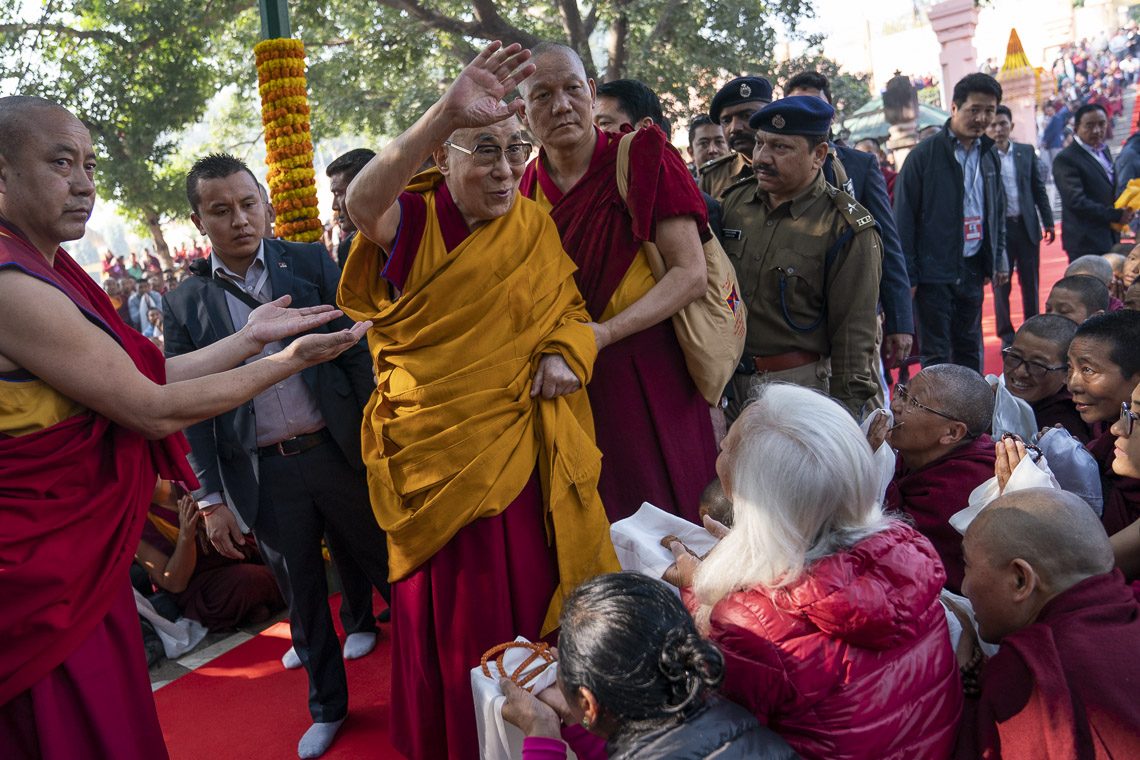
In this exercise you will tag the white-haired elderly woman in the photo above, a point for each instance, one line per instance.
(825, 608)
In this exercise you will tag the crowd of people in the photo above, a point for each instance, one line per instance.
(506, 362)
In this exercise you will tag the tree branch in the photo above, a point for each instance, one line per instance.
(661, 30)
(489, 25)
(65, 31)
(577, 34)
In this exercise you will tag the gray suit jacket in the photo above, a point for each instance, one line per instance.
(224, 449)
(1031, 196)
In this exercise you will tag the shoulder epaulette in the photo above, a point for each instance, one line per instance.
(716, 163)
(853, 212)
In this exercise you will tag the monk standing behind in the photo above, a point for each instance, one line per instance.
(654, 428)
(1064, 682)
(478, 440)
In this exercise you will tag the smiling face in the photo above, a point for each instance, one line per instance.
(1097, 383)
(970, 120)
(482, 192)
(785, 164)
(47, 185)
(1032, 384)
(1127, 461)
(559, 100)
(232, 214)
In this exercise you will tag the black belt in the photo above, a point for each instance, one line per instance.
(296, 445)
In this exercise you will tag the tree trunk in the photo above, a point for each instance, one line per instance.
(617, 47)
(161, 249)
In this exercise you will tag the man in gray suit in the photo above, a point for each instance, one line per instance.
(287, 463)
(1027, 213)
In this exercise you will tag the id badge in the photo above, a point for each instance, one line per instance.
(972, 226)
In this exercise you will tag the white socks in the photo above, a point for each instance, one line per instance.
(358, 645)
(318, 738)
(290, 660)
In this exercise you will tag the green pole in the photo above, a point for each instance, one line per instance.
(274, 19)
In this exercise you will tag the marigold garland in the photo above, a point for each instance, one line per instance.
(288, 141)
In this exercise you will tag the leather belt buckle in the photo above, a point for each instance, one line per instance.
(289, 447)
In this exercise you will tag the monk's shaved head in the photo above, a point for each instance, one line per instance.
(554, 54)
(963, 395)
(1054, 531)
(1091, 266)
(22, 115)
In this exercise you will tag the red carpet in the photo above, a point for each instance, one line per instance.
(1053, 264)
(243, 704)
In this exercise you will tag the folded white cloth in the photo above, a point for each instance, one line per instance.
(178, 637)
(884, 455)
(499, 740)
(637, 540)
(1027, 474)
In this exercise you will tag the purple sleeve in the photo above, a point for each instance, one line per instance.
(586, 746)
(543, 748)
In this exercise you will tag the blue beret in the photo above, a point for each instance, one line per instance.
(795, 115)
(740, 90)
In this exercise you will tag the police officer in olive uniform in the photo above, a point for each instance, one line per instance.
(732, 107)
(808, 258)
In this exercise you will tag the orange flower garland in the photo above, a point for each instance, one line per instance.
(288, 142)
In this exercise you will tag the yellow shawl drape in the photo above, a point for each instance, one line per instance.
(451, 434)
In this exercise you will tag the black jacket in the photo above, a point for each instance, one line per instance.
(866, 185)
(929, 193)
(1087, 198)
(224, 449)
(722, 729)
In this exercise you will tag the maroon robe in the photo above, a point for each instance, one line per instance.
(652, 425)
(1121, 494)
(932, 494)
(1059, 409)
(1065, 686)
(490, 583)
(73, 499)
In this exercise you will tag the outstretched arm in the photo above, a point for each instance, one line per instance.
(475, 99)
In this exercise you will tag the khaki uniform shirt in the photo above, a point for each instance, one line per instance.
(722, 173)
(790, 243)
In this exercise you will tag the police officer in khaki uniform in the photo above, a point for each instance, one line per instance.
(808, 258)
(732, 107)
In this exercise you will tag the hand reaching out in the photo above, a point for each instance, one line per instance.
(275, 321)
(321, 347)
(475, 98)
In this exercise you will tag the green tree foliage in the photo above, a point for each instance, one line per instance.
(848, 91)
(135, 72)
(375, 65)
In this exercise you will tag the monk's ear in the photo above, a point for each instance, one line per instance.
(1023, 579)
(646, 121)
(593, 92)
(955, 432)
(588, 704)
(441, 155)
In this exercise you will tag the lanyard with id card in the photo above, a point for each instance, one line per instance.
(972, 228)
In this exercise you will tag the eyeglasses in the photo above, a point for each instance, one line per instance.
(1127, 418)
(1036, 370)
(905, 397)
(489, 155)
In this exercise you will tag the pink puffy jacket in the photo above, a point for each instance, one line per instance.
(853, 660)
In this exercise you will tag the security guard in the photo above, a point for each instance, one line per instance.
(808, 258)
(732, 107)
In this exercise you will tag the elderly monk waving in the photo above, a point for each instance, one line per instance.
(478, 440)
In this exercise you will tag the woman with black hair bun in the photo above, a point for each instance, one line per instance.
(634, 672)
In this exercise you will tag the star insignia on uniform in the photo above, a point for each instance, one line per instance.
(282, 264)
(778, 121)
(850, 208)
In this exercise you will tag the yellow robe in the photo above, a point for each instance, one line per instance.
(451, 434)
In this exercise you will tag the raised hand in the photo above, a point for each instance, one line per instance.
(275, 321)
(475, 98)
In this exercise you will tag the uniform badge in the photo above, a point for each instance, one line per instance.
(282, 264)
(731, 234)
(865, 220)
(745, 91)
(778, 121)
(850, 208)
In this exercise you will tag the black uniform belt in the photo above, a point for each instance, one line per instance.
(293, 446)
(777, 363)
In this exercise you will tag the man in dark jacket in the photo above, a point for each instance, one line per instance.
(1128, 163)
(1085, 181)
(950, 212)
(1027, 212)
